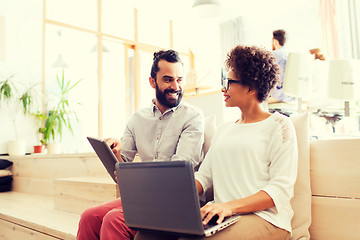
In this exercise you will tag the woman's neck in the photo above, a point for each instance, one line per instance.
(254, 113)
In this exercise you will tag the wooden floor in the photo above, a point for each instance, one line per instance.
(49, 194)
(34, 217)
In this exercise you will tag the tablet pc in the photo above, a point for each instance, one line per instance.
(105, 154)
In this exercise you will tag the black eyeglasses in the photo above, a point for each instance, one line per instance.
(226, 81)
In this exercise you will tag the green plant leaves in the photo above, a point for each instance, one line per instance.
(59, 118)
(26, 101)
(6, 89)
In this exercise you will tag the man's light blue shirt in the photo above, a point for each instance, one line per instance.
(281, 58)
(177, 134)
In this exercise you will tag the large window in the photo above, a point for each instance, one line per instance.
(114, 85)
(80, 13)
(109, 44)
(118, 18)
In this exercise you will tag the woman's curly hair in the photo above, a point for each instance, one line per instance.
(256, 67)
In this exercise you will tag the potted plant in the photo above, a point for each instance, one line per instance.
(14, 102)
(58, 118)
(40, 122)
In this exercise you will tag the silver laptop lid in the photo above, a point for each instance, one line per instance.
(160, 196)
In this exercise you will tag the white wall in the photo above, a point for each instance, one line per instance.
(23, 49)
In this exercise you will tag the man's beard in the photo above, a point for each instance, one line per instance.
(161, 97)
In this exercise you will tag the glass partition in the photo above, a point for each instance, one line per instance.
(114, 90)
(116, 81)
(118, 18)
(69, 51)
(153, 29)
(81, 13)
(146, 92)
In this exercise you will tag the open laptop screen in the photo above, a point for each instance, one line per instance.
(160, 196)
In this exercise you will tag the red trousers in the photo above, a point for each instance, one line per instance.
(105, 222)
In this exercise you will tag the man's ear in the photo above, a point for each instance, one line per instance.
(152, 82)
(276, 43)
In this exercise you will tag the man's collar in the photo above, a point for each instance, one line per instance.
(154, 107)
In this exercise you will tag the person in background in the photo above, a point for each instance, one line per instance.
(168, 130)
(252, 162)
(281, 54)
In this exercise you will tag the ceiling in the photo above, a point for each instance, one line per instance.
(230, 8)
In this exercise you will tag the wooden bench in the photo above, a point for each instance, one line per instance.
(77, 194)
(49, 194)
(335, 186)
(29, 212)
(28, 216)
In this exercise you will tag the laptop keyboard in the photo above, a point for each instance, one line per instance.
(212, 222)
(209, 226)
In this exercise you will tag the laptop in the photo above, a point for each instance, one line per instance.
(162, 197)
(106, 155)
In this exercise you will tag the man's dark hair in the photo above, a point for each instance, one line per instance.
(255, 67)
(280, 35)
(168, 55)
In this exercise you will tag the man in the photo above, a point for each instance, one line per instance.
(168, 130)
(280, 53)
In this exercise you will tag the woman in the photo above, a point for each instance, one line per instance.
(252, 163)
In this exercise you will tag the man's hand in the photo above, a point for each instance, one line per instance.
(115, 146)
(115, 176)
(211, 209)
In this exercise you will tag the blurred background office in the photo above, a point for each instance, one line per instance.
(109, 45)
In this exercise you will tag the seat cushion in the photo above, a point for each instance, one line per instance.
(210, 128)
(5, 183)
(301, 203)
(5, 163)
(5, 175)
(5, 180)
